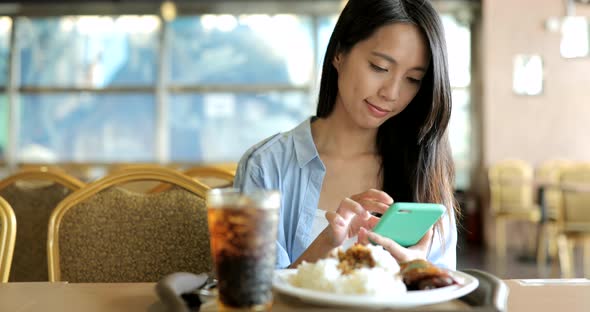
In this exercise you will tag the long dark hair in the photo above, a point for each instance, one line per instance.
(416, 162)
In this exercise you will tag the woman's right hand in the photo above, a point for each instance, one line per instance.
(354, 213)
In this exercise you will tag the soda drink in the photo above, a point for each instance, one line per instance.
(243, 229)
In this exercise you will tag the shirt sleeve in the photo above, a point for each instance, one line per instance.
(249, 177)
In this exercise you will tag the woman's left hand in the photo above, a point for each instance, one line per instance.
(400, 253)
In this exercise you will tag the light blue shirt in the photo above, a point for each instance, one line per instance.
(289, 162)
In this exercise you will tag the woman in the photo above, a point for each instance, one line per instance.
(379, 136)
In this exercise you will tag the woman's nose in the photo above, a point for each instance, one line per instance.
(390, 90)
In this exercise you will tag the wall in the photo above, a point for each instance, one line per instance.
(555, 124)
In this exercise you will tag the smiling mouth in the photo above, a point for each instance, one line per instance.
(377, 107)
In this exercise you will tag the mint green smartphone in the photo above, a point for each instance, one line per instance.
(406, 223)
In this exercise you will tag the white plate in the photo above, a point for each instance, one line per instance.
(402, 300)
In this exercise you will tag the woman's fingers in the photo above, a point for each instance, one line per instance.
(425, 241)
(346, 220)
(373, 206)
(371, 200)
(394, 248)
(339, 228)
(341, 220)
(372, 222)
(375, 195)
(355, 212)
(349, 208)
(335, 219)
(363, 237)
(400, 253)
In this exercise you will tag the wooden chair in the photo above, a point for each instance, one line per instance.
(511, 188)
(139, 186)
(574, 222)
(104, 233)
(231, 167)
(212, 176)
(7, 237)
(548, 176)
(33, 193)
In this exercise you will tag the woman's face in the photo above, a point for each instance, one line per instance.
(380, 76)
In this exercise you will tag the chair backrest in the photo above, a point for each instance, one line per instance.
(33, 193)
(549, 173)
(7, 236)
(209, 175)
(139, 186)
(511, 186)
(104, 233)
(575, 185)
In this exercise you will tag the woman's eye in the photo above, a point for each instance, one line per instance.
(414, 80)
(377, 68)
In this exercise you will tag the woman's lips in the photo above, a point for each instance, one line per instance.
(376, 110)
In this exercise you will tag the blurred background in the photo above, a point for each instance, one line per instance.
(92, 85)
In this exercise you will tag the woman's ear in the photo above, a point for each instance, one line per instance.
(337, 61)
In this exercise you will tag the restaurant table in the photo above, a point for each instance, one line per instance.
(524, 295)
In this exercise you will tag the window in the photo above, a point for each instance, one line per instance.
(5, 29)
(87, 127)
(575, 37)
(3, 126)
(235, 80)
(68, 111)
(245, 49)
(326, 25)
(135, 88)
(458, 38)
(88, 85)
(88, 51)
(527, 76)
(220, 127)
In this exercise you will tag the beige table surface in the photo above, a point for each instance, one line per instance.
(549, 295)
(50, 297)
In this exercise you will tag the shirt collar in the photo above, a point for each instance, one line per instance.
(305, 148)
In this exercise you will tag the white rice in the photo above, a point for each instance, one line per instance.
(324, 275)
